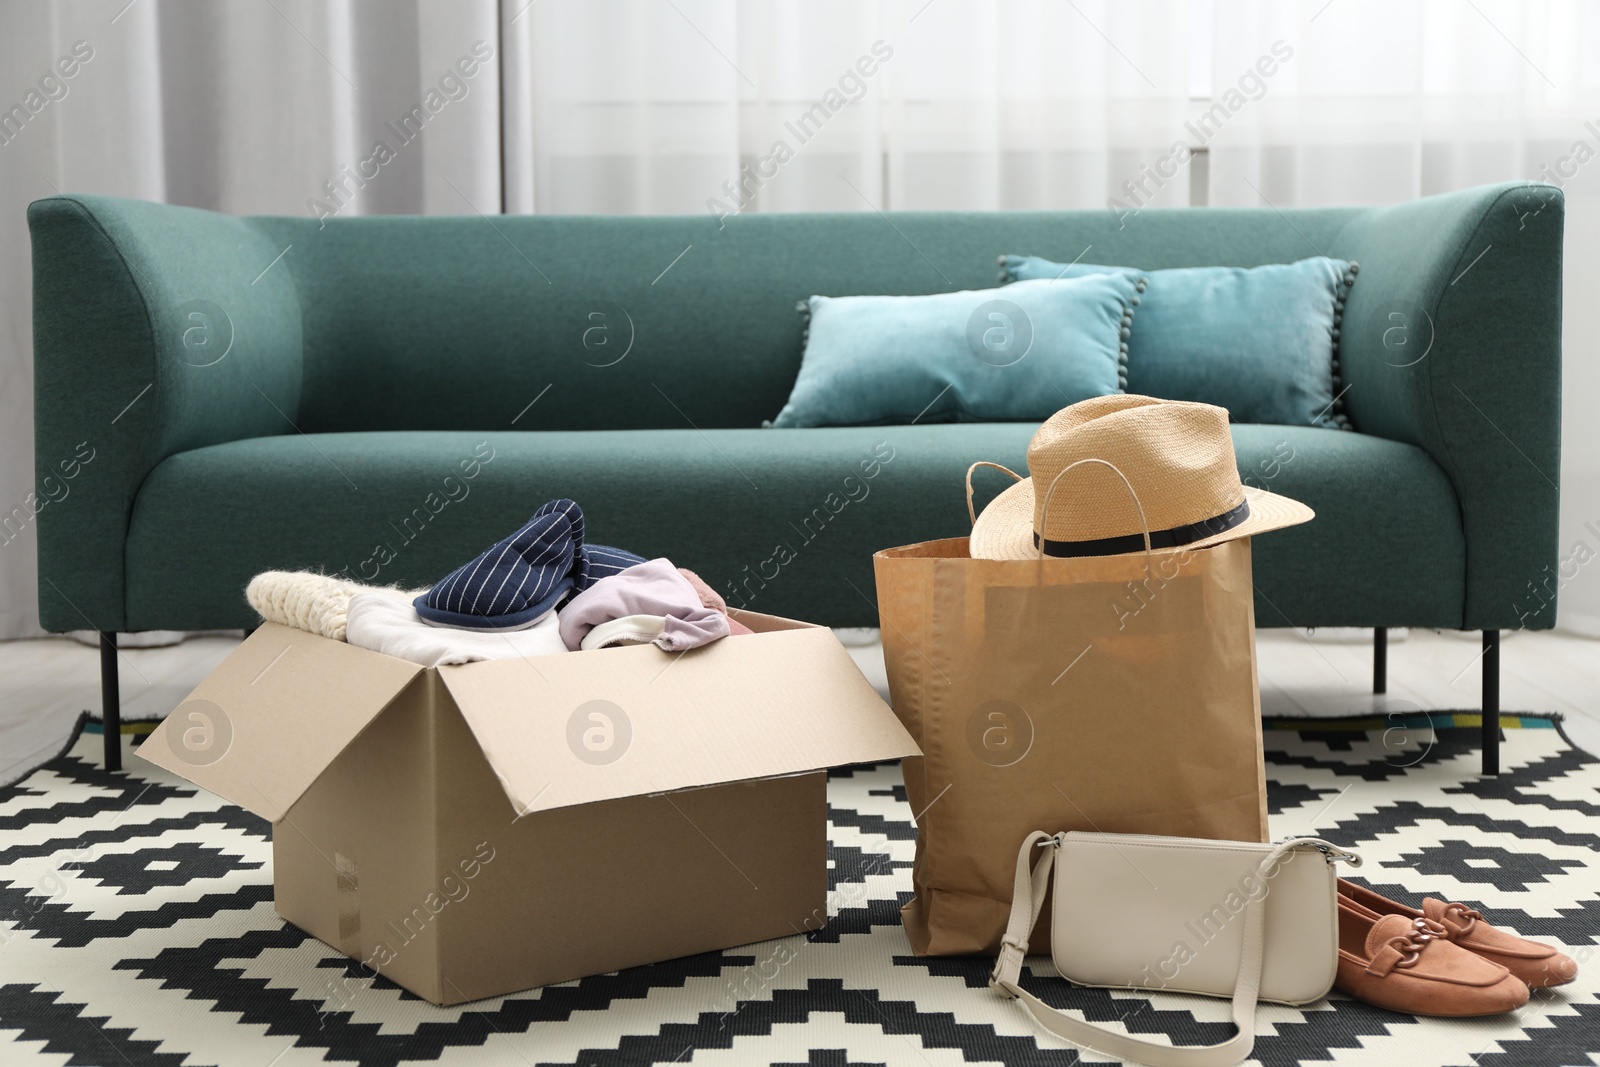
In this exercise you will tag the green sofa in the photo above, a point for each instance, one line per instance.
(282, 393)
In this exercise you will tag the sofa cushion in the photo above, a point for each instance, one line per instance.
(783, 521)
(1262, 342)
(978, 355)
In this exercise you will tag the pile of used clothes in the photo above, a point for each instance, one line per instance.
(539, 591)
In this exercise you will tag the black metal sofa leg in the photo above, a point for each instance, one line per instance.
(1491, 702)
(1380, 659)
(110, 701)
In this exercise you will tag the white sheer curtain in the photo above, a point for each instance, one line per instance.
(1390, 99)
(652, 106)
(246, 107)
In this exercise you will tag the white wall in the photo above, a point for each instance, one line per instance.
(1579, 603)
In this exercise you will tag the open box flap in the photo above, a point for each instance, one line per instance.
(572, 729)
(263, 725)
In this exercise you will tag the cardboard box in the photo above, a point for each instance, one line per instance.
(479, 829)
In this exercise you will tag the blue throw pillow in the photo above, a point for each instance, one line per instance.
(985, 355)
(1262, 342)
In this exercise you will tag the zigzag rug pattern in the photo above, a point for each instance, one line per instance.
(136, 927)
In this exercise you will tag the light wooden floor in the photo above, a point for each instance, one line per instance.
(44, 684)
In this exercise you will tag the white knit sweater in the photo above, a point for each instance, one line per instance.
(312, 602)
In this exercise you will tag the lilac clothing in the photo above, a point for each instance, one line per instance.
(651, 588)
(711, 599)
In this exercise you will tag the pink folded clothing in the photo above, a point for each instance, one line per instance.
(651, 588)
(709, 597)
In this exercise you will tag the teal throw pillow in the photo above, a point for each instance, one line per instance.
(988, 355)
(1262, 342)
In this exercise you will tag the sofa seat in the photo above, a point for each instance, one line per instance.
(782, 521)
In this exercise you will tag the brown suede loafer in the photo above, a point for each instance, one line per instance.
(1390, 962)
(1537, 964)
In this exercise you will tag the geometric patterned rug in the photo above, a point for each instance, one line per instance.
(138, 929)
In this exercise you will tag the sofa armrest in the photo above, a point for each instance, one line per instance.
(156, 329)
(1451, 341)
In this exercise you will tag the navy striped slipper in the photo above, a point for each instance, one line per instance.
(521, 577)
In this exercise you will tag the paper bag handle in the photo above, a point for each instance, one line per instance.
(1144, 523)
(972, 516)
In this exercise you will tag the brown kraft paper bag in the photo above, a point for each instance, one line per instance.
(1114, 693)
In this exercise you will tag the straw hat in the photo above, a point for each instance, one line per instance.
(1170, 460)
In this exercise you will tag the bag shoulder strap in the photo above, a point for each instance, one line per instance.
(1026, 902)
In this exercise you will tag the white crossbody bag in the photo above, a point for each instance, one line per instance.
(1221, 918)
